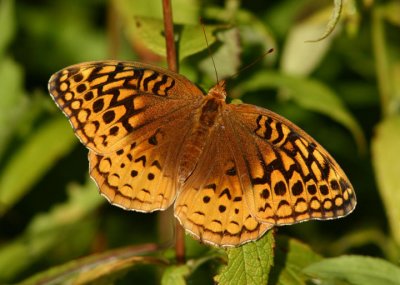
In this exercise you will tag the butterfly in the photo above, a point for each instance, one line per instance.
(232, 171)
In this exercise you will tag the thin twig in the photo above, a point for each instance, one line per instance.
(173, 66)
(169, 36)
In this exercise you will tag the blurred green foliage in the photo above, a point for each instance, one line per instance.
(344, 90)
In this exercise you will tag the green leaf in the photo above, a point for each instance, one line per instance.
(54, 139)
(184, 11)
(48, 230)
(386, 61)
(351, 18)
(291, 256)
(175, 275)
(190, 38)
(309, 94)
(13, 104)
(251, 29)
(226, 56)
(102, 268)
(7, 24)
(357, 270)
(249, 264)
(385, 156)
(296, 49)
(392, 12)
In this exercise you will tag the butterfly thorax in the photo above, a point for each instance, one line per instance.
(206, 118)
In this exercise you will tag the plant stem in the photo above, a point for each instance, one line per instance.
(169, 36)
(173, 66)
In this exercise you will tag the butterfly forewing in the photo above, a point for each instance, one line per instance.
(291, 178)
(111, 103)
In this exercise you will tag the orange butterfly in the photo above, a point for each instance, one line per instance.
(233, 171)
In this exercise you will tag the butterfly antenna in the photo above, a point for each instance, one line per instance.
(209, 50)
(271, 50)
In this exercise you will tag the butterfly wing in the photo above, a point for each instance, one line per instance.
(287, 176)
(133, 118)
(142, 175)
(258, 170)
(211, 205)
(110, 103)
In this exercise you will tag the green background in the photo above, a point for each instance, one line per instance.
(343, 90)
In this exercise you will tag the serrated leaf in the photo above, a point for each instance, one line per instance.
(357, 270)
(291, 257)
(310, 94)
(175, 275)
(249, 264)
(385, 156)
(47, 230)
(32, 159)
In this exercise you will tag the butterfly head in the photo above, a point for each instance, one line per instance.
(218, 91)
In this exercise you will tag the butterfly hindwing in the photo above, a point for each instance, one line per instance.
(142, 176)
(211, 205)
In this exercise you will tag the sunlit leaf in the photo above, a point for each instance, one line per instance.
(101, 268)
(226, 57)
(190, 38)
(297, 49)
(291, 257)
(184, 11)
(357, 270)
(249, 264)
(386, 154)
(175, 275)
(252, 31)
